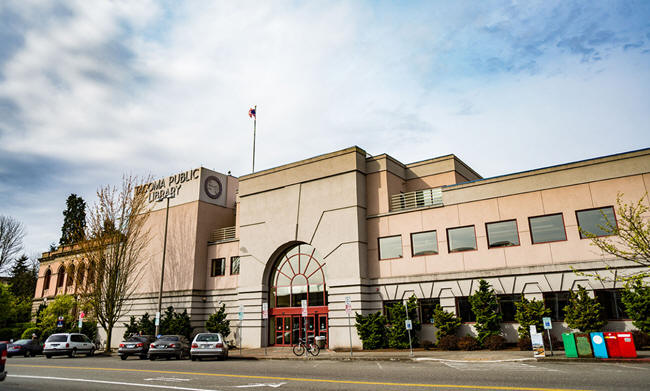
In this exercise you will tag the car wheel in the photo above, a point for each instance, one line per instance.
(26, 353)
(123, 357)
(152, 358)
(193, 358)
(73, 353)
(48, 356)
(32, 353)
(142, 357)
(168, 357)
(91, 353)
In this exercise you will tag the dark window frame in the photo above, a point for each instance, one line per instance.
(599, 293)
(504, 298)
(235, 258)
(213, 269)
(598, 208)
(436, 302)
(547, 297)
(487, 234)
(530, 228)
(458, 311)
(424, 232)
(461, 251)
(379, 247)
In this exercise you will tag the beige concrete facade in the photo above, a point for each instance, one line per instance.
(340, 204)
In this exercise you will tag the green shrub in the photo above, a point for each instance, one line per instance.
(144, 326)
(494, 342)
(217, 322)
(446, 322)
(584, 313)
(530, 312)
(371, 330)
(636, 298)
(176, 324)
(27, 334)
(448, 342)
(468, 343)
(486, 309)
(398, 336)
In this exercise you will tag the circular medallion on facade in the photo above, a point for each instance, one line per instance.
(213, 187)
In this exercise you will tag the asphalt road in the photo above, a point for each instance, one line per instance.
(110, 373)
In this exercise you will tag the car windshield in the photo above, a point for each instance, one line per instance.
(169, 338)
(207, 338)
(57, 338)
(21, 342)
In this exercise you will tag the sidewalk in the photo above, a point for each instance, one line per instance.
(285, 353)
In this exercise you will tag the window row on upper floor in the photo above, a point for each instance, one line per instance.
(543, 229)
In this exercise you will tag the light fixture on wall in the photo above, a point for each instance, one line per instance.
(204, 299)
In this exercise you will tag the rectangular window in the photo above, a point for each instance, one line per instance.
(507, 306)
(502, 234)
(464, 310)
(389, 303)
(556, 301)
(234, 265)
(549, 228)
(424, 243)
(610, 299)
(426, 309)
(461, 239)
(218, 267)
(390, 247)
(599, 221)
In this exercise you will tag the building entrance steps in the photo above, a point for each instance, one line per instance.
(286, 353)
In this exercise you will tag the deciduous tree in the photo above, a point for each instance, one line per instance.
(12, 233)
(115, 254)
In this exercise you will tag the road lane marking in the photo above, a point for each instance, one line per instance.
(161, 378)
(273, 385)
(118, 383)
(475, 387)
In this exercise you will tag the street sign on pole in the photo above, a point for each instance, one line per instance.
(408, 321)
(303, 304)
(409, 324)
(80, 324)
(59, 321)
(265, 310)
(241, 318)
(82, 315)
(157, 323)
(548, 326)
(348, 310)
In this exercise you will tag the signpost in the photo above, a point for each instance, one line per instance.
(303, 304)
(157, 323)
(408, 322)
(59, 321)
(241, 318)
(81, 317)
(537, 340)
(348, 310)
(265, 317)
(548, 326)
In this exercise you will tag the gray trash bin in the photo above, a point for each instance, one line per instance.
(320, 341)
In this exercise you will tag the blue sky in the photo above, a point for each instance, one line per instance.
(93, 90)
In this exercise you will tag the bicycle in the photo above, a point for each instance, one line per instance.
(299, 348)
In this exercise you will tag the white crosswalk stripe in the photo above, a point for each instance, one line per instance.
(500, 366)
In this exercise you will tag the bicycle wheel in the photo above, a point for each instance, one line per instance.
(299, 349)
(314, 349)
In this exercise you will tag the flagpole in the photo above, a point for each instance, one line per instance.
(254, 131)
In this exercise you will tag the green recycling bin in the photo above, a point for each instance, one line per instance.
(570, 348)
(583, 342)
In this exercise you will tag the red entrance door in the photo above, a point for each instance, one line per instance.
(288, 327)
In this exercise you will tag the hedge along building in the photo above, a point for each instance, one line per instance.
(369, 227)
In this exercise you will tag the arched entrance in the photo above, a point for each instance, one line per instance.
(297, 275)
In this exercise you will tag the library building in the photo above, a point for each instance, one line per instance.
(372, 230)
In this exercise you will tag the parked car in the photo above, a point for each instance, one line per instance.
(209, 345)
(68, 344)
(136, 345)
(3, 361)
(170, 346)
(25, 347)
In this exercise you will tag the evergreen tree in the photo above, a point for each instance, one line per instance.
(217, 322)
(372, 330)
(583, 312)
(486, 309)
(446, 322)
(530, 312)
(398, 336)
(23, 278)
(176, 324)
(74, 220)
(636, 298)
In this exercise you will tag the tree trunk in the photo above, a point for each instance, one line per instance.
(109, 334)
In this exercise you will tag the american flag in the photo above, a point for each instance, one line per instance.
(251, 113)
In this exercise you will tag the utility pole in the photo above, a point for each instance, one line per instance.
(162, 270)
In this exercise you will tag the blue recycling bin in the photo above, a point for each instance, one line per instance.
(598, 344)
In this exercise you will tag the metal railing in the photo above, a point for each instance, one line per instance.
(416, 199)
(223, 234)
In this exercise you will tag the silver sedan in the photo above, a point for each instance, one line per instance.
(209, 345)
